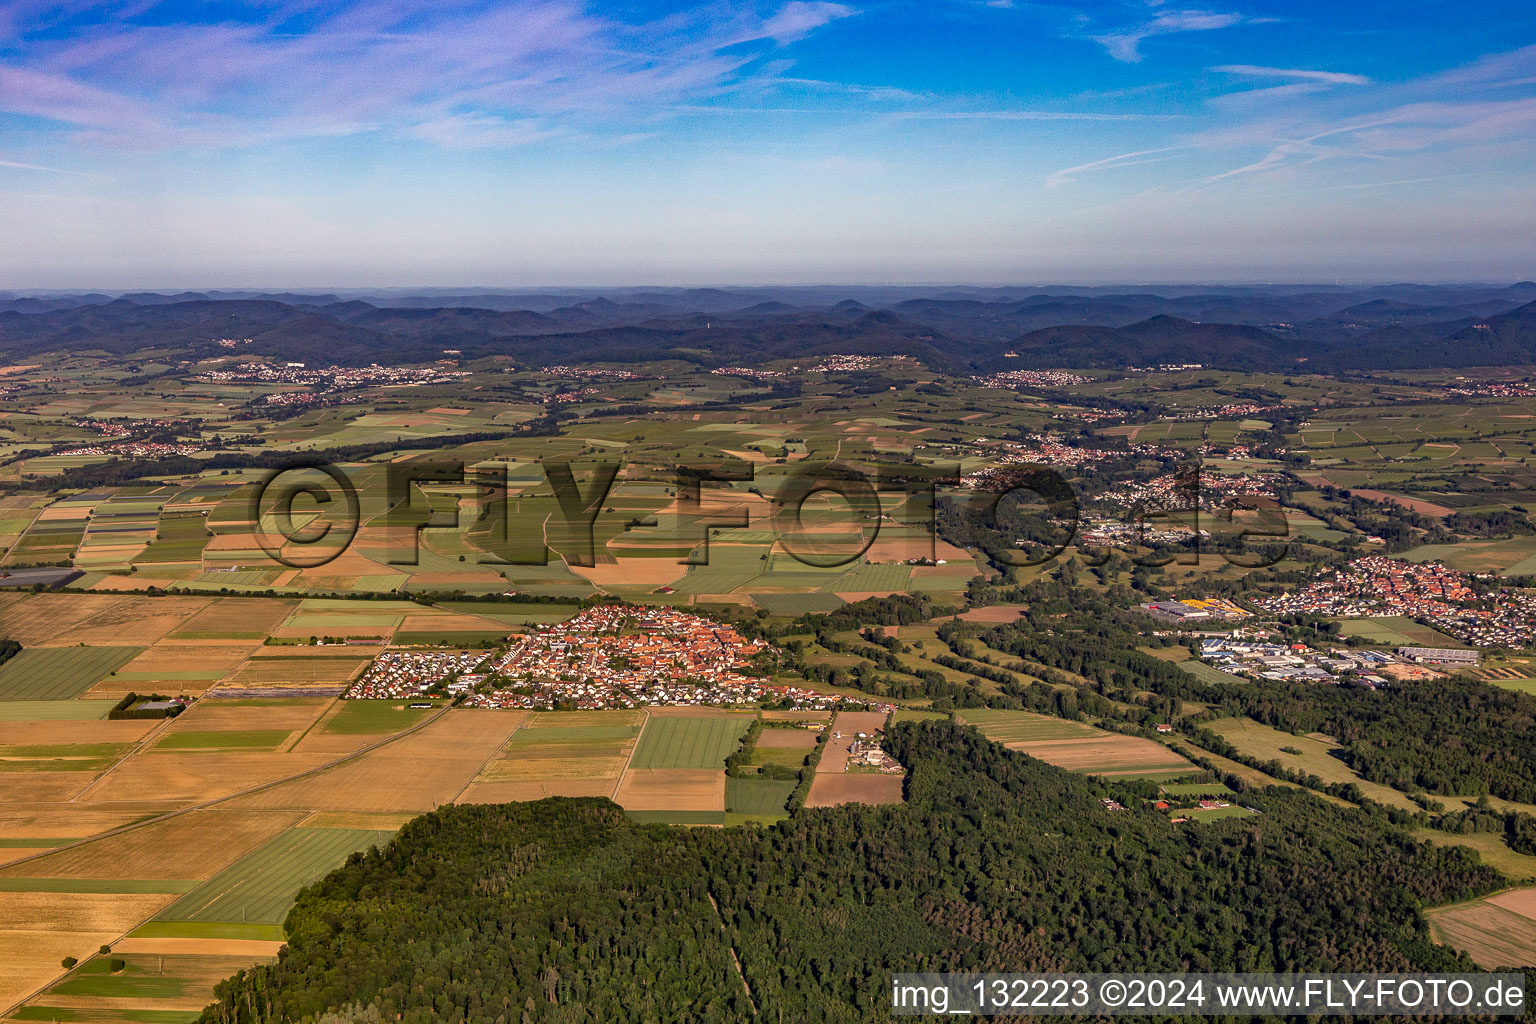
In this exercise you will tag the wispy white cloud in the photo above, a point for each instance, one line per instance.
(17, 165)
(479, 73)
(1067, 175)
(798, 17)
(1125, 44)
(1462, 114)
(1328, 77)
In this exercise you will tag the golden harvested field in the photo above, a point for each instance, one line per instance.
(277, 672)
(829, 789)
(848, 722)
(1521, 901)
(352, 563)
(787, 739)
(237, 715)
(672, 789)
(38, 929)
(46, 733)
(174, 660)
(197, 844)
(418, 772)
(64, 620)
(1109, 754)
(183, 983)
(556, 747)
(248, 950)
(448, 622)
(238, 615)
(193, 776)
(125, 584)
(796, 716)
(24, 789)
(1491, 931)
(48, 821)
(651, 572)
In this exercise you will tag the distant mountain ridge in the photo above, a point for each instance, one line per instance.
(960, 329)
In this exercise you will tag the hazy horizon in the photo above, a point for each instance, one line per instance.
(776, 142)
(118, 290)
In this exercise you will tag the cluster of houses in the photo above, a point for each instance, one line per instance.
(1236, 410)
(846, 363)
(749, 372)
(571, 395)
(1113, 533)
(398, 674)
(1031, 378)
(134, 449)
(1428, 592)
(618, 656)
(1177, 492)
(609, 656)
(588, 373)
(1494, 389)
(1040, 450)
(334, 376)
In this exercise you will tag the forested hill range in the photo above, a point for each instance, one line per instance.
(1326, 329)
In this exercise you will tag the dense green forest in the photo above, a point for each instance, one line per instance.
(563, 910)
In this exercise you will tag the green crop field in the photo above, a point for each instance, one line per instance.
(260, 887)
(785, 756)
(179, 537)
(160, 929)
(677, 817)
(95, 978)
(757, 796)
(364, 717)
(917, 715)
(1217, 813)
(1316, 757)
(59, 673)
(599, 739)
(1023, 726)
(54, 710)
(226, 739)
(1395, 631)
(669, 741)
(798, 604)
(1209, 673)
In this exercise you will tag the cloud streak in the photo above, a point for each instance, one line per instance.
(1125, 44)
(471, 75)
(1328, 77)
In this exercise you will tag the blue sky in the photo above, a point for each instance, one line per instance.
(292, 143)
